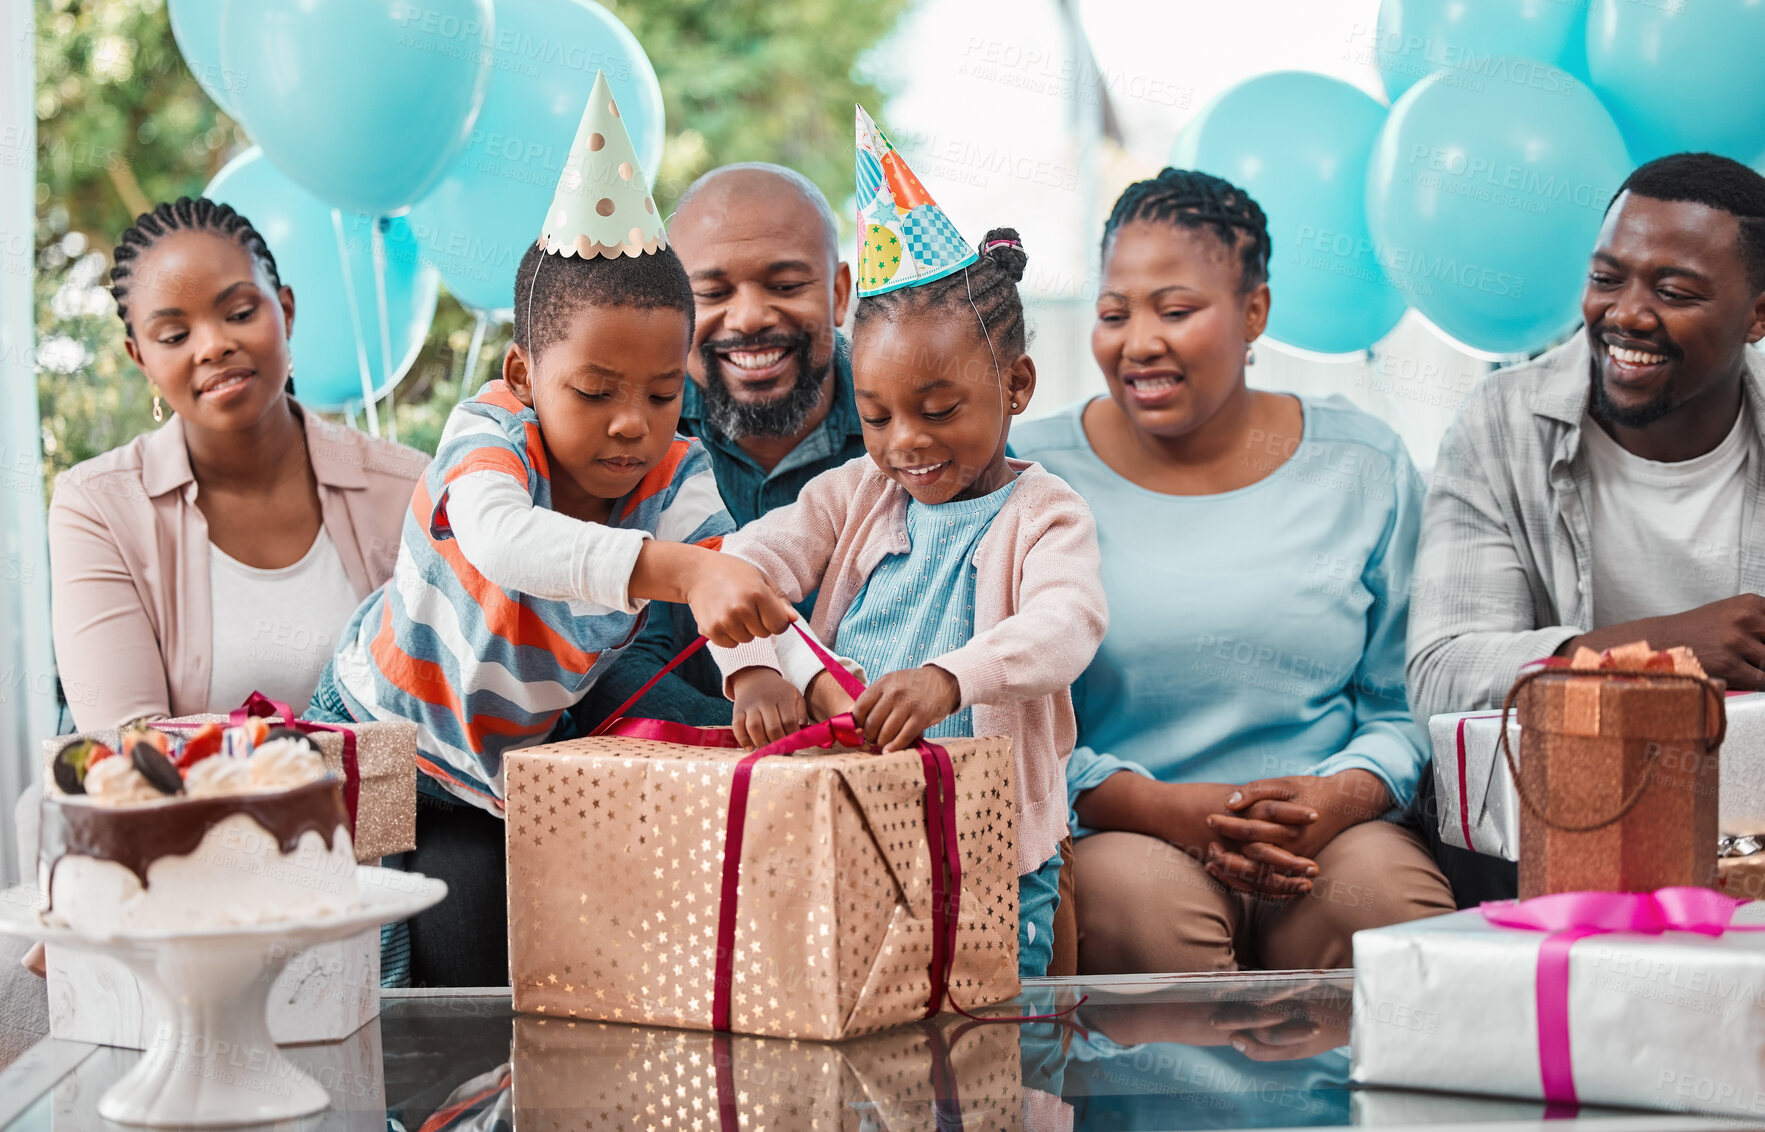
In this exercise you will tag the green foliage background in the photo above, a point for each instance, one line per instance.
(121, 125)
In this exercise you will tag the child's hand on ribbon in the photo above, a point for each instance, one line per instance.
(733, 602)
(827, 699)
(895, 711)
(767, 707)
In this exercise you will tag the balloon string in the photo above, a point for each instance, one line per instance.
(469, 366)
(355, 321)
(379, 246)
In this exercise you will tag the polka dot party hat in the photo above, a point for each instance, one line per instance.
(904, 238)
(603, 205)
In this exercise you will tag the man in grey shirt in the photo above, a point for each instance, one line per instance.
(1611, 490)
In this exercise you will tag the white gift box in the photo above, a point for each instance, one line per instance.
(1472, 787)
(1672, 1021)
(324, 994)
(1480, 811)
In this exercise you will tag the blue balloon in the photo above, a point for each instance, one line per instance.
(196, 26)
(301, 235)
(480, 220)
(364, 102)
(1299, 142)
(1486, 204)
(1681, 76)
(1483, 40)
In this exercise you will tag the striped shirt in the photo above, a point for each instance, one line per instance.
(483, 666)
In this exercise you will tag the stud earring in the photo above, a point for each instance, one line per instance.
(158, 408)
(1014, 404)
(1249, 354)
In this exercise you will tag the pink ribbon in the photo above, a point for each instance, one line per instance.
(1571, 916)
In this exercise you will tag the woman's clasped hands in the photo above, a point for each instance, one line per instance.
(1269, 835)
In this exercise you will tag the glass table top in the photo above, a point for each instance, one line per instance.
(1164, 1052)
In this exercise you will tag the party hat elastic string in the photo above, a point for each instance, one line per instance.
(985, 336)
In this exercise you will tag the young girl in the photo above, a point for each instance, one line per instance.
(964, 582)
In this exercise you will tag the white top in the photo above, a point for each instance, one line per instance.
(1666, 537)
(275, 630)
(543, 553)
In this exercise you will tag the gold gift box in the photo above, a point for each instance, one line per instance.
(615, 856)
(386, 757)
(1622, 767)
(948, 1072)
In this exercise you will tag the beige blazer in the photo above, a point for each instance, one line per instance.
(128, 557)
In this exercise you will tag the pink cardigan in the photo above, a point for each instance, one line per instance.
(1039, 611)
(128, 547)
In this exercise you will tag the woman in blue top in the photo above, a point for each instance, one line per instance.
(1244, 725)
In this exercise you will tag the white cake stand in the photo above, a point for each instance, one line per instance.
(210, 1061)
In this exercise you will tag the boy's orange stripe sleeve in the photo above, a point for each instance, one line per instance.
(489, 459)
(504, 616)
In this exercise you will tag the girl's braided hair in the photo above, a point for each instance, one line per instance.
(1190, 199)
(185, 214)
(991, 282)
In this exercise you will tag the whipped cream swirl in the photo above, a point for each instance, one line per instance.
(116, 782)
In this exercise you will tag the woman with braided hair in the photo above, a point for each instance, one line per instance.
(222, 552)
(1243, 728)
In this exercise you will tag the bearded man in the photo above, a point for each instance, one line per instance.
(771, 390)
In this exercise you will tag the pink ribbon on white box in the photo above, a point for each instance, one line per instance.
(1572, 916)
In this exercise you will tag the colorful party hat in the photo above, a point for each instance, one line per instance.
(603, 206)
(904, 238)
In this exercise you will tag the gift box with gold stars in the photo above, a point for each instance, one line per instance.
(945, 1073)
(615, 864)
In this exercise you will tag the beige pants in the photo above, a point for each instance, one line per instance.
(1149, 906)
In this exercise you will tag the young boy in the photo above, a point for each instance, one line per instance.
(559, 502)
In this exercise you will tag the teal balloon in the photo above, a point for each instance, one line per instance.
(1486, 205)
(1681, 75)
(1485, 41)
(196, 27)
(299, 230)
(1299, 144)
(366, 103)
(478, 222)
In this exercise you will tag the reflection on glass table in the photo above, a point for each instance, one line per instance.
(1166, 1052)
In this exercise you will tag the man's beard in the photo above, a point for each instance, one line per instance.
(1607, 411)
(778, 416)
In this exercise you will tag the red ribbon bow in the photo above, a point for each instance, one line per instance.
(274, 711)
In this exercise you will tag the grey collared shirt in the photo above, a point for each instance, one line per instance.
(1504, 572)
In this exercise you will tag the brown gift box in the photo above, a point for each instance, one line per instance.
(1742, 877)
(589, 1075)
(1618, 779)
(386, 758)
(615, 855)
